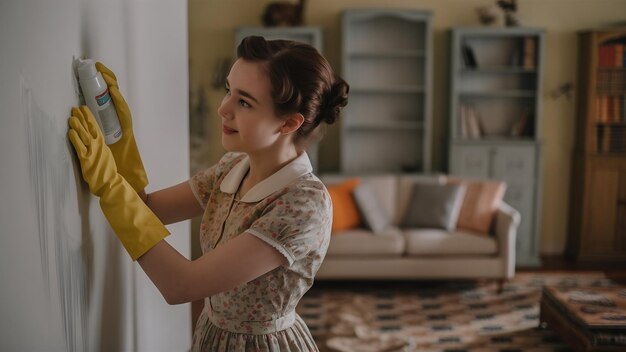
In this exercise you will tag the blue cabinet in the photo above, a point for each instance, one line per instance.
(494, 119)
(387, 61)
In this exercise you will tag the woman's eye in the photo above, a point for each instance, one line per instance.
(244, 104)
(227, 90)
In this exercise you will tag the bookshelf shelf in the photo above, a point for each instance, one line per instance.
(520, 140)
(387, 61)
(499, 94)
(611, 124)
(399, 125)
(612, 69)
(494, 118)
(497, 70)
(391, 54)
(597, 212)
(610, 94)
(389, 89)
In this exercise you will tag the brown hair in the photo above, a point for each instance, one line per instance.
(302, 81)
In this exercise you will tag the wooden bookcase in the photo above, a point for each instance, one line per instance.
(308, 35)
(494, 118)
(386, 56)
(598, 206)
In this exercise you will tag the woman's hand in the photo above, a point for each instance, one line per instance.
(96, 160)
(137, 227)
(125, 151)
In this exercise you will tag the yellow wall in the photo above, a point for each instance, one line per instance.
(211, 37)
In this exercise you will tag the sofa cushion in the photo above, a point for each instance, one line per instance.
(345, 211)
(441, 242)
(404, 191)
(481, 202)
(384, 186)
(361, 242)
(374, 215)
(434, 205)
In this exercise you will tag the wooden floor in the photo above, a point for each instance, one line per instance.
(615, 271)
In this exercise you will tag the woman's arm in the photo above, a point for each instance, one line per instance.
(236, 262)
(173, 204)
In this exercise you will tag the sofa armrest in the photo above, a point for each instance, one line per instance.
(506, 224)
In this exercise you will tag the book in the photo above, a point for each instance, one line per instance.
(619, 55)
(616, 111)
(468, 56)
(521, 126)
(602, 104)
(474, 130)
(602, 56)
(529, 53)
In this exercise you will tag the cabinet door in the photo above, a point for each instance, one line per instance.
(516, 165)
(606, 210)
(471, 161)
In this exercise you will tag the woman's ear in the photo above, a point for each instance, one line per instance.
(292, 123)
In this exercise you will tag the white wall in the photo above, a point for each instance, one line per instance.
(66, 284)
(158, 65)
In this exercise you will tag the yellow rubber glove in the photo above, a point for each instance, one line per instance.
(137, 227)
(125, 150)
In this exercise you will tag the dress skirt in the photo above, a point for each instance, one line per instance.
(208, 337)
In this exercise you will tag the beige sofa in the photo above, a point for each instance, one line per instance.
(419, 253)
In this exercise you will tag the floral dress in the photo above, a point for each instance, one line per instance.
(291, 211)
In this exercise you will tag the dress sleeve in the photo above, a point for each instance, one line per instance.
(296, 223)
(204, 182)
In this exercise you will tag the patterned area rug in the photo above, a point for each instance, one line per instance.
(452, 316)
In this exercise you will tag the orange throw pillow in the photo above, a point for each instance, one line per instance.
(481, 202)
(345, 211)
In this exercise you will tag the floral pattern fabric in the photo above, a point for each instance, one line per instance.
(295, 218)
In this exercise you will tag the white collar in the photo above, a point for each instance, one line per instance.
(298, 167)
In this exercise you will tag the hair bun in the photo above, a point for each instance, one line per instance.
(336, 99)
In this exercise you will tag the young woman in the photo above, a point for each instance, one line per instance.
(266, 218)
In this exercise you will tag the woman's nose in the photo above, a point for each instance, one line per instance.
(224, 110)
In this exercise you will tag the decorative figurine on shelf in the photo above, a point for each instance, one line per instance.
(509, 7)
(488, 15)
(284, 14)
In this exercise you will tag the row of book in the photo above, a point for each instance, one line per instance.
(612, 55)
(611, 82)
(471, 126)
(611, 108)
(611, 140)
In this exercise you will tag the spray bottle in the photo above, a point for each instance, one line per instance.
(97, 98)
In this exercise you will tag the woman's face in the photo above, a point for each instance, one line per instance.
(249, 123)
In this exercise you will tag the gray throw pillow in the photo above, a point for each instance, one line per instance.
(434, 205)
(374, 215)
